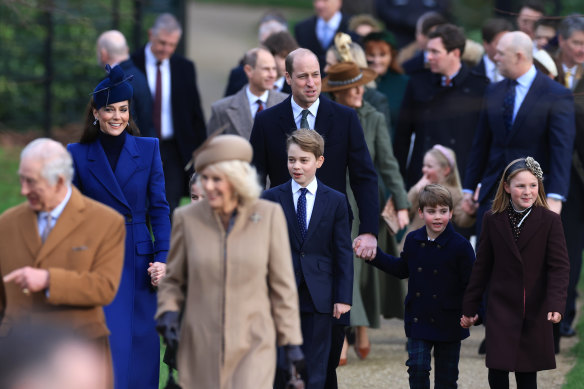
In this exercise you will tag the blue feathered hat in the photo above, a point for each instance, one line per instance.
(114, 88)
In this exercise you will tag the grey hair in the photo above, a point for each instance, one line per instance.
(114, 43)
(241, 175)
(251, 57)
(570, 25)
(55, 159)
(166, 22)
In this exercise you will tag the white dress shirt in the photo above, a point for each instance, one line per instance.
(166, 124)
(325, 31)
(523, 84)
(279, 83)
(297, 113)
(491, 69)
(310, 196)
(572, 72)
(252, 100)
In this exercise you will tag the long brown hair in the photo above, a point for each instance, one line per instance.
(91, 131)
(502, 198)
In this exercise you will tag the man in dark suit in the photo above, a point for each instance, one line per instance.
(492, 31)
(346, 149)
(177, 115)
(113, 50)
(318, 31)
(439, 107)
(570, 64)
(526, 115)
(236, 113)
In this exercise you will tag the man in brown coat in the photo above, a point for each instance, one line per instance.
(61, 253)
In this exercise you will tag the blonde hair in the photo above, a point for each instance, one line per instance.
(345, 50)
(502, 198)
(241, 175)
(446, 157)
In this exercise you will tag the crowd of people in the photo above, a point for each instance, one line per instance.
(283, 258)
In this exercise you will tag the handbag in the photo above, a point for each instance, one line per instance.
(389, 215)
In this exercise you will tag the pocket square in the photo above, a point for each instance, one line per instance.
(79, 248)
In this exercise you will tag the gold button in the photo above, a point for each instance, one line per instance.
(419, 270)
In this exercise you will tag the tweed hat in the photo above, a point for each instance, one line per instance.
(346, 75)
(222, 148)
(114, 88)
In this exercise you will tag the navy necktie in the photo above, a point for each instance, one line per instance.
(301, 212)
(509, 104)
(304, 120)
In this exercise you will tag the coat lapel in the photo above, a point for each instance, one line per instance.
(530, 228)
(526, 108)
(287, 124)
(287, 203)
(317, 210)
(101, 170)
(324, 117)
(127, 163)
(239, 114)
(496, 109)
(504, 229)
(30, 232)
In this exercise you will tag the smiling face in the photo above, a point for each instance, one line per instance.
(302, 165)
(522, 188)
(218, 191)
(378, 55)
(41, 195)
(352, 97)
(572, 49)
(262, 77)
(113, 119)
(433, 170)
(305, 79)
(436, 219)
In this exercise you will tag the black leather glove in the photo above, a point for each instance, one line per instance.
(294, 356)
(168, 325)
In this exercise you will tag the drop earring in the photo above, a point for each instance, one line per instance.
(95, 122)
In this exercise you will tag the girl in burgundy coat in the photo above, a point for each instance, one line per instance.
(522, 257)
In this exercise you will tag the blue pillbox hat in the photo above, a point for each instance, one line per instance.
(114, 88)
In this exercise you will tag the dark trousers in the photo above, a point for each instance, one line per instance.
(499, 379)
(316, 333)
(337, 339)
(175, 178)
(446, 357)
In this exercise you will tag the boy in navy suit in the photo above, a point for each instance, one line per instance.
(318, 225)
(438, 262)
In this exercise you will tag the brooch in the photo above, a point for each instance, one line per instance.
(255, 217)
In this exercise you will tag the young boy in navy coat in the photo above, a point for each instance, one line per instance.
(318, 225)
(438, 262)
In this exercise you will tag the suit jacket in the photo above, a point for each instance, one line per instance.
(142, 99)
(233, 111)
(345, 147)
(531, 280)
(543, 129)
(187, 115)
(305, 33)
(415, 64)
(84, 259)
(324, 258)
(438, 115)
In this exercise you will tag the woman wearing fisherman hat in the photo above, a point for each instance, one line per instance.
(116, 167)
(230, 285)
(345, 82)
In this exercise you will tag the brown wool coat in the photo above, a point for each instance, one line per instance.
(237, 294)
(528, 279)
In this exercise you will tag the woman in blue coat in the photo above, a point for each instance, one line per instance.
(119, 169)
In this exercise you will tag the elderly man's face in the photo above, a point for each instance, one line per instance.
(573, 49)
(305, 79)
(262, 76)
(163, 43)
(41, 195)
(325, 9)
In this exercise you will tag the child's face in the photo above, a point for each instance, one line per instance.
(302, 164)
(436, 219)
(434, 172)
(196, 194)
(523, 189)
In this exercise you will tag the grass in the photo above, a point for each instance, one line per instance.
(9, 184)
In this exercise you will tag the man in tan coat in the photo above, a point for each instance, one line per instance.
(61, 253)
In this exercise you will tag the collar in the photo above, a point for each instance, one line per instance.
(279, 83)
(333, 22)
(422, 236)
(297, 110)
(490, 65)
(311, 187)
(150, 58)
(527, 79)
(253, 98)
(572, 70)
(58, 210)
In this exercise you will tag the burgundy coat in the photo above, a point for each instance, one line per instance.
(527, 279)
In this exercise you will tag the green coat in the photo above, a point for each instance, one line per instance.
(374, 292)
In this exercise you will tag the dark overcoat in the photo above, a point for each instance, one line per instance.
(527, 279)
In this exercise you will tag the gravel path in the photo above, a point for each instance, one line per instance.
(217, 36)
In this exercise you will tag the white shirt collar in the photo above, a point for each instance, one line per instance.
(311, 187)
(279, 83)
(253, 98)
(297, 110)
(150, 58)
(58, 210)
(527, 79)
(572, 70)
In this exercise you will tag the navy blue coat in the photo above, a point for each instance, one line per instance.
(344, 148)
(324, 259)
(438, 272)
(544, 129)
(135, 190)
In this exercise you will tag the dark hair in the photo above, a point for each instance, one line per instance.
(571, 24)
(309, 141)
(494, 27)
(534, 5)
(434, 195)
(280, 43)
(551, 23)
(430, 21)
(452, 37)
(91, 131)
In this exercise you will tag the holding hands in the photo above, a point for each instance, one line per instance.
(467, 321)
(365, 246)
(156, 271)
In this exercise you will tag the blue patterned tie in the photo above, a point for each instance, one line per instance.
(509, 104)
(301, 212)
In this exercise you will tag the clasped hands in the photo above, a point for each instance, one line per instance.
(156, 271)
(467, 321)
(365, 246)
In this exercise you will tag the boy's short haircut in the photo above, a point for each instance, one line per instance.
(435, 195)
(308, 140)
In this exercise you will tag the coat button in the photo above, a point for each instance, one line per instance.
(128, 218)
(415, 319)
(432, 320)
(434, 296)
(419, 270)
(418, 294)
(423, 244)
(435, 271)
(302, 253)
(438, 246)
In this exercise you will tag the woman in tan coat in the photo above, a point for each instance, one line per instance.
(229, 277)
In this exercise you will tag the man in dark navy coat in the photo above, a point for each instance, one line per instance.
(179, 121)
(539, 123)
(345, 148)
